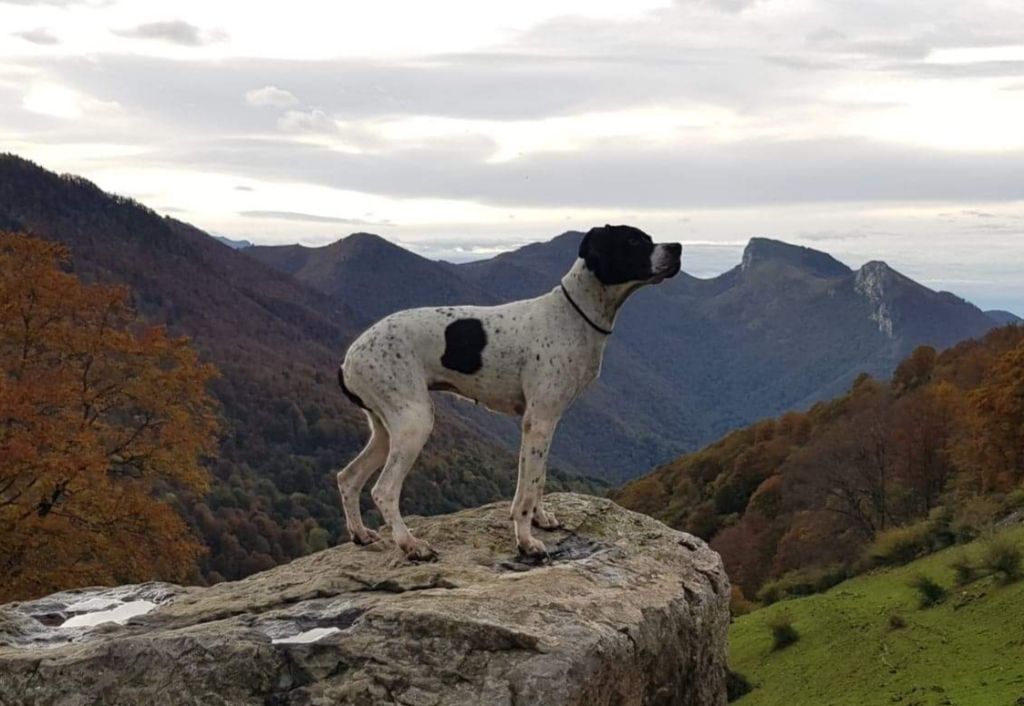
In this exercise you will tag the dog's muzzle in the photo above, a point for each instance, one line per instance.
(675, 252)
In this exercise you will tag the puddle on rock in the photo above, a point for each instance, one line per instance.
(306, 637)
(119, 614)
(570, 548)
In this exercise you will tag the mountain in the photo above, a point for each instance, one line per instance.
(236, 244)
(277, 343)
(691, 358)
(1003, 317)
(373, 274)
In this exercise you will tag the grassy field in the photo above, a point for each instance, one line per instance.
(967, 650)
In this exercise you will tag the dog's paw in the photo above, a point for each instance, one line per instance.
(364, 538)
(418, 550)
(545, 520)
(532, 548)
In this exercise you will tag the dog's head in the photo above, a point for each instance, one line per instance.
(623, 254)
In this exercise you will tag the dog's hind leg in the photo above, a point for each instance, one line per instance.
(353, 477)
(408, 428)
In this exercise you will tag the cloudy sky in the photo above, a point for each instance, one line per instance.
(874, 129)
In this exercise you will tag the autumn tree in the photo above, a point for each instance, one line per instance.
(849, 470)
(914, 371)
(923, 425)
(991, 447)
(102, 421)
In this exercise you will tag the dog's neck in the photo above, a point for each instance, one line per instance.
(600, 302)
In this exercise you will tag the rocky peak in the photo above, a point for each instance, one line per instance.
(760, 251)
(874, 278)
(875, 281)
(627, 611)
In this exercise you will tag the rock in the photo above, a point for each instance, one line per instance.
(627, 611)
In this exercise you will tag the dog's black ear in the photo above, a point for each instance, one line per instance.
(592, 251)
(585, 245)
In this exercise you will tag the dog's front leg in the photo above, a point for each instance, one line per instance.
(533, 456)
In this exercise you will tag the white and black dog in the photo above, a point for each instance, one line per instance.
(531, 358)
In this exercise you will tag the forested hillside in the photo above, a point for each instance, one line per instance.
(900, 466)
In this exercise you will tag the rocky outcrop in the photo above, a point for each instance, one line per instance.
(626, 611)
(873, 282)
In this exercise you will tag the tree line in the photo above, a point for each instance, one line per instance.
(940, 445)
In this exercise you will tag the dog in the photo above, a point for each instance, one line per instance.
(531, 358)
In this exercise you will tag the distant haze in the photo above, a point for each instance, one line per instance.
(460, 129)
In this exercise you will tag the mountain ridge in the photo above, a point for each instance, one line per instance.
(785, 327)
(761, 250)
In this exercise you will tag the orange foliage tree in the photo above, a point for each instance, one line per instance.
(102, 420)
(992, 446)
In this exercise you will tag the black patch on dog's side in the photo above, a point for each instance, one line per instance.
(356, 399)
(464, 342)
(618, 254)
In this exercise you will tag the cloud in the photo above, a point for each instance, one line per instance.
(40, 35)
(57, 101)
(314, 120)
(752, 172)
(312, 218)
(825, 235)
(973, 69)
(473, 87)
(173, 31)
(270, 96)
(55, 3)
(824, 35)
(727, 5)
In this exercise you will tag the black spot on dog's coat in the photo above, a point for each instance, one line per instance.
(464, 342)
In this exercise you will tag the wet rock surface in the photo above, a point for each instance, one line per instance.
(624, 611)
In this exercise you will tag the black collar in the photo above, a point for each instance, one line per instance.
(599, 329)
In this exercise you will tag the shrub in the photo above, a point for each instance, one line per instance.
(929, 592)
(896, 621)
(964, 532)
(1015, 500)
(978, 512)
(965, 570)
(1002, 557)
(738, 603)
(770, 593)
(802, 582)
(901, 545)
(736, 685)
(783, 632)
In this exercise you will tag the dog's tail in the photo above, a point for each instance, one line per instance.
(356, 399)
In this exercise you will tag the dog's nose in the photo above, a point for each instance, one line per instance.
(675, 248)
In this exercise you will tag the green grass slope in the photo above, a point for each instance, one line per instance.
(967, 651)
